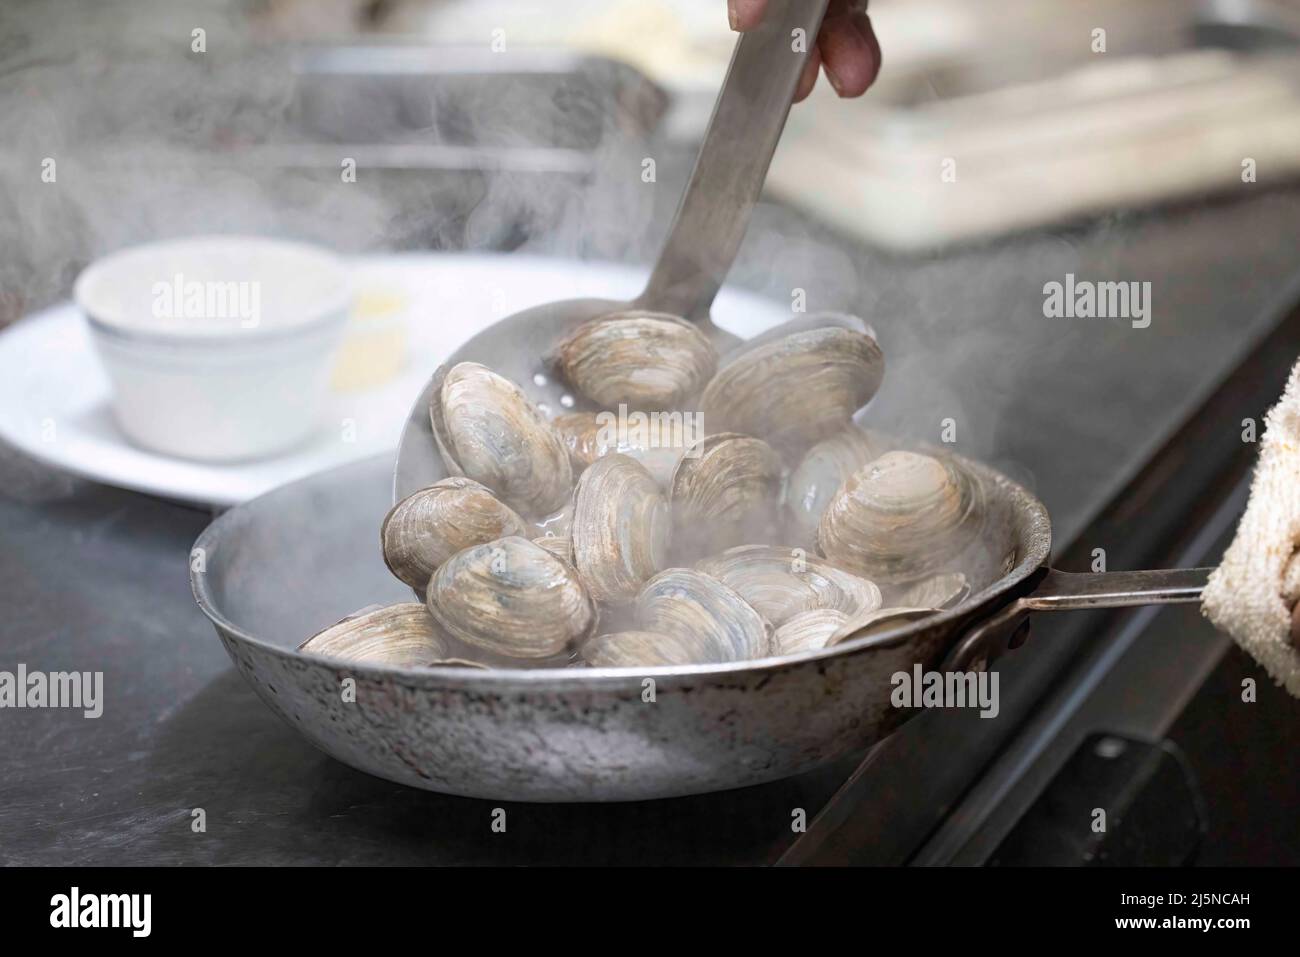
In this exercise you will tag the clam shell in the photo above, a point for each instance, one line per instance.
(876, 622)
(794, 388)
(512, 598)
(820, 473)
(427, 527)
(632, 649)
(725, 491)
(644, 360)
(903, 517)
(400, 636)
(809, 630)
(780, 583)
(582, 436)
(489, 431)
(692, 606)
(620, 528)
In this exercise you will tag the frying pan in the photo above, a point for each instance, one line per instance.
(287, 564)
(283, 566)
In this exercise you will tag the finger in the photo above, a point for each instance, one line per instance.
(849, 52)
(808, 78)
(863, 24)
(745, 14)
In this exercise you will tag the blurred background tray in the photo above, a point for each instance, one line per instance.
(1001, 116)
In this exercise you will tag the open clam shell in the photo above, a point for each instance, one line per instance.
(795, 385)
(693, 607)
(725, 490)
(400, 636)
(901, 518)
(780, 583)
(644, 360)
(620, 528)
(489, 431)
(512, 598)
(429, 526)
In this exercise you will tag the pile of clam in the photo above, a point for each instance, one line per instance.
(779, 526)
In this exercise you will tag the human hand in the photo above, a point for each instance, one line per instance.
(846, 46)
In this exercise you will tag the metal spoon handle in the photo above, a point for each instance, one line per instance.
(743, 132)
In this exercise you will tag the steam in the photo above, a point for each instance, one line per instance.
(152, 140)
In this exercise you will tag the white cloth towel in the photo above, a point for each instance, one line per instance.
(1250, 594)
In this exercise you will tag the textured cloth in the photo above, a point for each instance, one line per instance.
(1250, 594)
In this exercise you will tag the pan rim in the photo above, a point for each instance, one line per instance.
(565, 679)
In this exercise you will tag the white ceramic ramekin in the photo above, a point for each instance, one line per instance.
(218, 348)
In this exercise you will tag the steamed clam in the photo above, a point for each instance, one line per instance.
(780, 583)
(693, 607)
(725, 491)
(633, 649)
(809, 630)
(513, 598)
(620, 528)
(400, 636)
(795, 385)
(548, 543)
(821, 472)
(643, 360)
(429, 526)
(903, 517)
(489, 431)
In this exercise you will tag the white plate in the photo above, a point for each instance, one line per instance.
(54, 398)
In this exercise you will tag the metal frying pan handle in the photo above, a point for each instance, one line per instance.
(1072, 591)
(743, 132)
